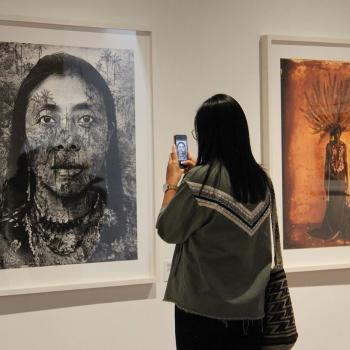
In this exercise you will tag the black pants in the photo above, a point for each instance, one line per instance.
(195, 332)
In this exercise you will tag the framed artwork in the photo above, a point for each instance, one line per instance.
(306, 139)
(76, 157)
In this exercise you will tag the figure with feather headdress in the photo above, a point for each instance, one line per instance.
(328, 114)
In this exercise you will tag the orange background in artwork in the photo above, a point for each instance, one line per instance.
(304, 151)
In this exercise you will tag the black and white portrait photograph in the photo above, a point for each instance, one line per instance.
(67, 155)
(181, 150)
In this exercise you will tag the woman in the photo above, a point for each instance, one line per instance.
(57, 206)
(219, 220)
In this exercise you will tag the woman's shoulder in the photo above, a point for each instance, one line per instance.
(197, 173)
(216, 178)
(213, 175)
(200, 172)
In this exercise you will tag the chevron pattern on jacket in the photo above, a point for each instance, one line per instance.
(248, 220)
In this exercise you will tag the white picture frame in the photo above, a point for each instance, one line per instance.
(272, 49)
(113, 273)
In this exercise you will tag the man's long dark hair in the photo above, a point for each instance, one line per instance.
(223, 135)
(18, 176)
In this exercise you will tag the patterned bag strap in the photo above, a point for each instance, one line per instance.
(275, 229)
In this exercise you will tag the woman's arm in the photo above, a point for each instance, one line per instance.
(174, 173)
(180, 215)
(173, 176)
(168, 196)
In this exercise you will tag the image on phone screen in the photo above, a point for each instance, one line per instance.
(181, 147)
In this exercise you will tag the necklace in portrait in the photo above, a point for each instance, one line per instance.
(58, 242)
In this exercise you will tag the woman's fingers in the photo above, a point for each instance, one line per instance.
(190, 157)
(188, 162)
(174, 172)
(173, 153)
(191, 161)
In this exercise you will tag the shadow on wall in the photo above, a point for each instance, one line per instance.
(55, 300)
(318, 278)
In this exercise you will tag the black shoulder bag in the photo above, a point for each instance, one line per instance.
(279, 332)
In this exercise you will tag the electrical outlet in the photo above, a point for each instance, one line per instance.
(167, 268)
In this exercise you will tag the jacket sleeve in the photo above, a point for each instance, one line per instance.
(182, 216)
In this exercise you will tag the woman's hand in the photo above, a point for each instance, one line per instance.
(173, 171)
(190, 163)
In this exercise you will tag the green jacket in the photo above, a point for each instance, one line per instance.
(222, 259)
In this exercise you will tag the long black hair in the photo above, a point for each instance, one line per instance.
(223, 135)
(18, 175)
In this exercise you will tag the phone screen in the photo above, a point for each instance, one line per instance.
(181, 147)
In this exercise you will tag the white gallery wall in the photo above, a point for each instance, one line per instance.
(200, 47)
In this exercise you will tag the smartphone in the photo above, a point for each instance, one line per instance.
(180, 142)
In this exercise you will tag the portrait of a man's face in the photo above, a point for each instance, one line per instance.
(70, 145)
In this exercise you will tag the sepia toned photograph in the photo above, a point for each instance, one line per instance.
(315, 103)
(67, 155)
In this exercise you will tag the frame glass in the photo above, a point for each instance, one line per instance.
(305, 94)
(120, 249)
